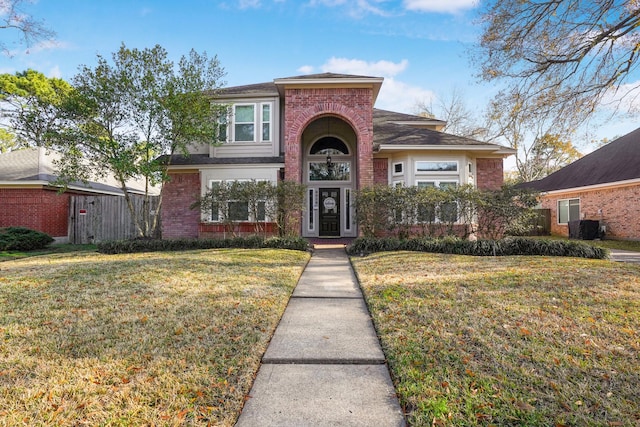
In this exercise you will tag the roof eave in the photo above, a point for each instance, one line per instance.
(625, 183)
(494, 149)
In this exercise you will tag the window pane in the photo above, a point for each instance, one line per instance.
(449, 212)
(425, 184)
(563, 211)
(574, 209)
(244, 132)
(238, 211)
(338, 171)
(437, 166)
(266, 132)
(266, 113)
(444, 185)
(244, 114)
(427, 213)
(261, 211)
(397, 168)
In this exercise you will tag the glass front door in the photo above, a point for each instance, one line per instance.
(329, 212)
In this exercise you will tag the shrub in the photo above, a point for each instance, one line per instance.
(23, 239)
(504, 247)
(250, 242)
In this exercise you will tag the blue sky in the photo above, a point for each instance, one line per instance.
(420, 47)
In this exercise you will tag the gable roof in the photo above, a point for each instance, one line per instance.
(35, 166)
(400, 130)
(617, 161)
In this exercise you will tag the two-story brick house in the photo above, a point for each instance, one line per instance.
(322, 131)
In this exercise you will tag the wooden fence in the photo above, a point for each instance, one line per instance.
(94, 219)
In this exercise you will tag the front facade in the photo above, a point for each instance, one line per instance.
(602, 186)
(321, 131)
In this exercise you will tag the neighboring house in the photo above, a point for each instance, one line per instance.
(603, 185)
(293, 128)
(29, 197)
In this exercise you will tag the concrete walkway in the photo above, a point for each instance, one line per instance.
(324, 365)
(624, 256)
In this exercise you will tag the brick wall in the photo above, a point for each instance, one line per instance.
(35, 208)
(354, 105)
(178, 221)
(381, 171)
(617, 208)
(489, 174)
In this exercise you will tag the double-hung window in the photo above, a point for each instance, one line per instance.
(568, 210)
(249, 122)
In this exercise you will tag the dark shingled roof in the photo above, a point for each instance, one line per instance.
(619, 160)
(204, 159)
(326, 76)
(385, 131)
(267, 88)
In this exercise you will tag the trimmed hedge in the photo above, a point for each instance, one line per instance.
(23, 239)
(155, 245)
(503, 247)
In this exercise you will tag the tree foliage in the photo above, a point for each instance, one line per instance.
(32, 103)
(541, 146)
(118, 117)
(261, 202)
(562, 58)
(452, 109)
(14, 19)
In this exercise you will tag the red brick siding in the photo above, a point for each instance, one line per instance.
(178, 221)
(490, 174)
(355, 106)
(35, 208)
(381, 171)
(620, 210)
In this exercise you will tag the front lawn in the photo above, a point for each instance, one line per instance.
(506, 341)
(164, 338)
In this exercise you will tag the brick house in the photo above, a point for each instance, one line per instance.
(323, 131)
(603, 186)
(29, 197)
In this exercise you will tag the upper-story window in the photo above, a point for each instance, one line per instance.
(437, 166)
(247, 122)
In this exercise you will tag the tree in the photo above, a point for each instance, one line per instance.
(541, 146)
(452, 109)
(30, 30)
(32, 102)
(562, 58)
(8, 141)
(119, 117)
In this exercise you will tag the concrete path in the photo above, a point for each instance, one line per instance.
(625, 256)
(324, 365)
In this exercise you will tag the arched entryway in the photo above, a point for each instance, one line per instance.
(329, 172)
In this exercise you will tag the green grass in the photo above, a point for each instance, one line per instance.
(159, 339)
(508, 341)
(60, 248)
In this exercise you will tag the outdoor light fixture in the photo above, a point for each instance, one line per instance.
(329, 163)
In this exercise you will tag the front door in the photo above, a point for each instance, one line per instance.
(329, 212)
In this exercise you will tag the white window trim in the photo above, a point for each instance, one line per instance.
(393, 168)
(419, 172)
(258, 123)
(568, 207)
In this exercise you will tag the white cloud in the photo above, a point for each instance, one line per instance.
(306, 69)
(46, 45)
(440, 6)
(401, 97)
(363, 68)
(55, 72)
(394, 95)
(249, 4)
